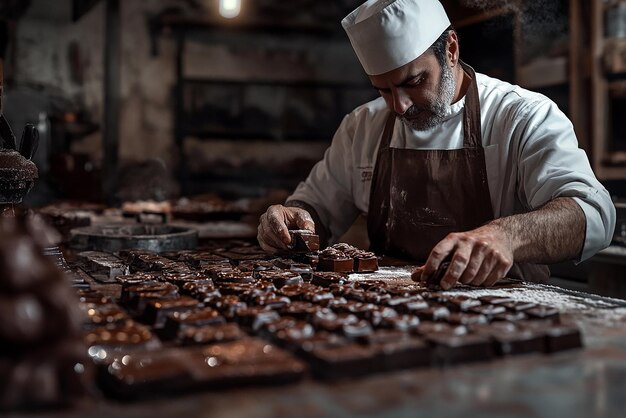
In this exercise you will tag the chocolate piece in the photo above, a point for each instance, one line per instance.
(357, 329)
(211, 334)
(339, 265)
(299, 310)
(303, 241)
(317, 297)
(180, 278)
(142, 260)
(329, 321)
(458, 318)
(243, 362)
(295, 291)
(202, 259)
(488, 310)
(518, 306)
(294, 335)
(280, 278)
(519, 342)
(430, 328)
(271, 300)
(228, 305)
(432, 313)
(542, 312)
(337, 362)
(412, 305)
(398, 350)
(199, 289)
(401, 322)
(103, 266)
(510, 339)
(235, 288)
(156, 311)
(105, 314)
(256, 265)
(253, 318)
(92, 297)
(106, 340)
(560, 338)
(495, 300)
(321, 339)
(179, 321)
(326, 279)
(462, 303)
(136, 298)
(510, 316)
(233, 276)
(454, 348)
(377, 314)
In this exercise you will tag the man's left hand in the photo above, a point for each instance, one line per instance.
(479, 257)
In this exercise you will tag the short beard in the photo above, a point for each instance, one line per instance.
(424, 119)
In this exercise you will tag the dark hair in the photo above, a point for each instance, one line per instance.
(439, 47)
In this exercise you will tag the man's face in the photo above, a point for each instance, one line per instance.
(420, 93)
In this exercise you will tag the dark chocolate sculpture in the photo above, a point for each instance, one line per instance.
(42, 356)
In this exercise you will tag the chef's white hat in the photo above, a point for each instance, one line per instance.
(387, 34)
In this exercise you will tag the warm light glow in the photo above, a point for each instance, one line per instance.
(230, 8)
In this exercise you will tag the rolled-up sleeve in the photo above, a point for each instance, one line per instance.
(328, 188)
(551, 165)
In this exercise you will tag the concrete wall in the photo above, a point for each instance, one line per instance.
(42, 65)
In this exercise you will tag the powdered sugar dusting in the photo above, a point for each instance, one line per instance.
(566, 301)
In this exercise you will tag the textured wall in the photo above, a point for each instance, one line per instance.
(45, 34)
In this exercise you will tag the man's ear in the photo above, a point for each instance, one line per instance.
(452, 49)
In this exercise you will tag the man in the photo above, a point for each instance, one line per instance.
(479, 172)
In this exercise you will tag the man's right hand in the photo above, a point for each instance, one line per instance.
(274, 226)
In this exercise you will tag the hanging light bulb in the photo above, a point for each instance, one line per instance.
(230, 8)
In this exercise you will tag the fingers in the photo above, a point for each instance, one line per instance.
(479, 258)
(497, 274)
(303, 220)
(458, 265)
(266, 241)
(269, 232)
(273, 230)
(483, 272)
(275, 225)
(476, 261)
(437, 255)
(416, 275)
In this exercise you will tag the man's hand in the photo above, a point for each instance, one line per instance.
(274, 226)
(479, 257)
(551, 234)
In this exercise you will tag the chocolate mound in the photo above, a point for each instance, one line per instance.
(17, 176)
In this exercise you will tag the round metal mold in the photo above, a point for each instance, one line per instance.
(116, 237)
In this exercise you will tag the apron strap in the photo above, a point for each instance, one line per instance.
(472, 133)
(385, 141)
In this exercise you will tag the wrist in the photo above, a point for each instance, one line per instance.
(503, 232)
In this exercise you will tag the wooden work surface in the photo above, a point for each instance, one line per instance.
(582, 383)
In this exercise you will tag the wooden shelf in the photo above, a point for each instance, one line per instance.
(482, 16)
(543, 73)
(610, 3)
(604, 172)
(186, 24)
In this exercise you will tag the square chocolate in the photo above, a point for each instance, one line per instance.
(303, 241)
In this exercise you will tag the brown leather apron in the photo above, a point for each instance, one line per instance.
(420, 196)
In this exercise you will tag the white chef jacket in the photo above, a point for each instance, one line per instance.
(531, 154)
